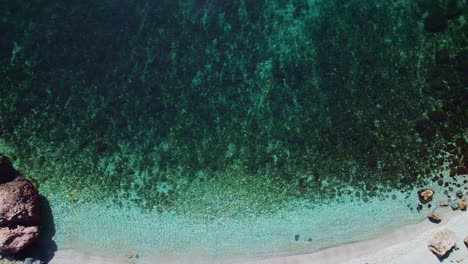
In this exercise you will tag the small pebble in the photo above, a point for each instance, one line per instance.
(454, 205)
(443, 203)
(459, 194)
(129, 255)
(296, 237)
(309, 239)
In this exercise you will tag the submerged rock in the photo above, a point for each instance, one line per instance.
(7, 173)
(425, 195)
(442, 242)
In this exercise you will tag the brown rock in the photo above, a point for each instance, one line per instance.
(462, 205)
(442, 242)
(14, 240)
(434, 217)
(19, 215)
(19, 204)
(425, 195)
(7, 173)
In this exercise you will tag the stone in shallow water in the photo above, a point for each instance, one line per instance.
(443, 203)
(425, 195)
(454, 204)
(442, 242)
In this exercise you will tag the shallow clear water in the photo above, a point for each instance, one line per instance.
(168, 127)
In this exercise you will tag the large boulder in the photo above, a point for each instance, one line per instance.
(19, 215)
(13, 240)
(7, 173)
(442, 243)
(19, 204)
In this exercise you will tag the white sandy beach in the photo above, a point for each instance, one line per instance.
(407, 244)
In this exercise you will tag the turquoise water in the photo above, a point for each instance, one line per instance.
(259, 120)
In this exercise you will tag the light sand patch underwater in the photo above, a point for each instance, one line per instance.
(103, 229)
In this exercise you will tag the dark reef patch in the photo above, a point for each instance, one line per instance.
(137, 101)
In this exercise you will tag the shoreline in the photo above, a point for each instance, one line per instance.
(402, 245)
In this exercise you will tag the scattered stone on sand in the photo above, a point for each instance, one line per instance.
(19, 215)
(454, 204)
(434, 218)
(442, 242)
(7, 173)
(443, 203)
(425, 195)
(459, 194)
(462, 205)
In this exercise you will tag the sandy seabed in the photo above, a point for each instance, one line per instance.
(405, 245)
